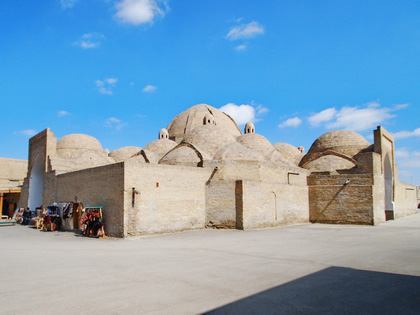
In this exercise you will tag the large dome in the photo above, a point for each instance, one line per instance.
(70, 144)
(193, 117)
(343, 143)
(210, 138)
(339, 140)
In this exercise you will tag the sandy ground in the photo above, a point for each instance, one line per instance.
(300, 269)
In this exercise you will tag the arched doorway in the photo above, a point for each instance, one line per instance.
(36, 184)
(389, 206)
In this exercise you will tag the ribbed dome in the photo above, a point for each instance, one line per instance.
(289, 152)
(337, 139)
(209, 138)
(160, 147)
(193, 117)
(124, 153)
(345, 142)
(257, 143)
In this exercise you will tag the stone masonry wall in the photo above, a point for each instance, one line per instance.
(172, 198)
(270, 204)
(99, 186)
(405, 200)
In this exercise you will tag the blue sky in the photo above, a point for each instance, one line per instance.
(121, 70)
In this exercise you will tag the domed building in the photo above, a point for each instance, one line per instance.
(202, 172)
(193, 117)
(335, 150)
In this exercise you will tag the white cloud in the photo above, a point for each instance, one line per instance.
(240, 113)
(149, 88)
(402, 153)
(260, 109)
(105, 86)
(67, 4)
(407, 134)
(244, 113)
(323, 116)
(249, 30)
(411, 163)
(28, 132)
(240, 47)
(63, 113)
(400, 106)
(353, 118)
(138, 12)
(89, 40)
(114, 123)
(291, 122)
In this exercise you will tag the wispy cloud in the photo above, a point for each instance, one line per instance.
(89, 40)
(240, 47)
(149, 88)
(138, 12)
(114, 123)
(407, 134)
(28, 132)
(354, 118)
(321, 117)
(291, 122)
(63, 113)
(245, 31)
(409, 159)
(67, 4)
(244, 113)
(105, 86)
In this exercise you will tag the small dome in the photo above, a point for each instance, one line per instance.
(209, 119)
(192, 118)
(69, 145)
(124, 153)
(329, 163)
(289, 152)
(210, 138)
(185, 154)
(160, 147)
(249, 128)
(237, 152)
(257, 143)
(163, 134)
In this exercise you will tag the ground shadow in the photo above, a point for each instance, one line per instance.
(335, 290)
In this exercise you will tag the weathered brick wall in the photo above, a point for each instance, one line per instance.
(405, 199)
(333, 201)
(220, 204)
(171, 198)
(12, 172)
(100, 186)
(270, 194)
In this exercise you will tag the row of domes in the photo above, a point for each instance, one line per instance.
(204, 133)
